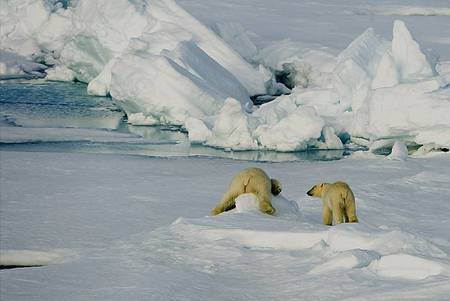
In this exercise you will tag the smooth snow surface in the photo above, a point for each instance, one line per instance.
(111, 227)
(405, 266)
(328, 23)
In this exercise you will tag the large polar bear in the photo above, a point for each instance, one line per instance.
(250, 180)
(338, 202)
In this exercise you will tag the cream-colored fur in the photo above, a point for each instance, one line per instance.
(250, 180)
(338, 202)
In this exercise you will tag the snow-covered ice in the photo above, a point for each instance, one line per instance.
(96, 208)
(112, 227)
(86, 36)
(166, 67)
(14, 65)
(410, 60)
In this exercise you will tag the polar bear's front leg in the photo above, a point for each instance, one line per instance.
(327, 216)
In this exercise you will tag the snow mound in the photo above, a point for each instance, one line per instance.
(248, 202)
(29, 258)
(347, 260)
(399, 151)
(405, 266)
(293, 131)
(276, 240)
(356, 236)
(259, 232)
(222, 239)
(280, 125)
(231, 128)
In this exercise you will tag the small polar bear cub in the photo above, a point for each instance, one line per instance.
(338, 202)
(250, 180)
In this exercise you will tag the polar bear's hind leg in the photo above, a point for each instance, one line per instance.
(227, 203)
(350, 212)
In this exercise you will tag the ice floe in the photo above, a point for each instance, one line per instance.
(33, 258)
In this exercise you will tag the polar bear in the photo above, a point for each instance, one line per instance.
(250, 180)
(338, 202)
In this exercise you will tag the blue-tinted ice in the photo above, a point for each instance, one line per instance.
(61, 116)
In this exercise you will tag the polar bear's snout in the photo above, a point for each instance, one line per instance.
(312, 191)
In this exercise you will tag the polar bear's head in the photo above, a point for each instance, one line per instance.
(317, 190)
(276, 186)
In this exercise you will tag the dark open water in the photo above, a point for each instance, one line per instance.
(54, 107)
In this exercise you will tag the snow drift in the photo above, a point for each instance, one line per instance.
(344, 248)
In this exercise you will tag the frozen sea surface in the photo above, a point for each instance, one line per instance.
(333, 24)
(94, 208)
(113, 227)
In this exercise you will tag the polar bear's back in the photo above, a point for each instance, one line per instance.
(252, 172)
(251, 180)
(339, 192)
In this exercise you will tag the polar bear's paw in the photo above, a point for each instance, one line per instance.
(266, 207)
